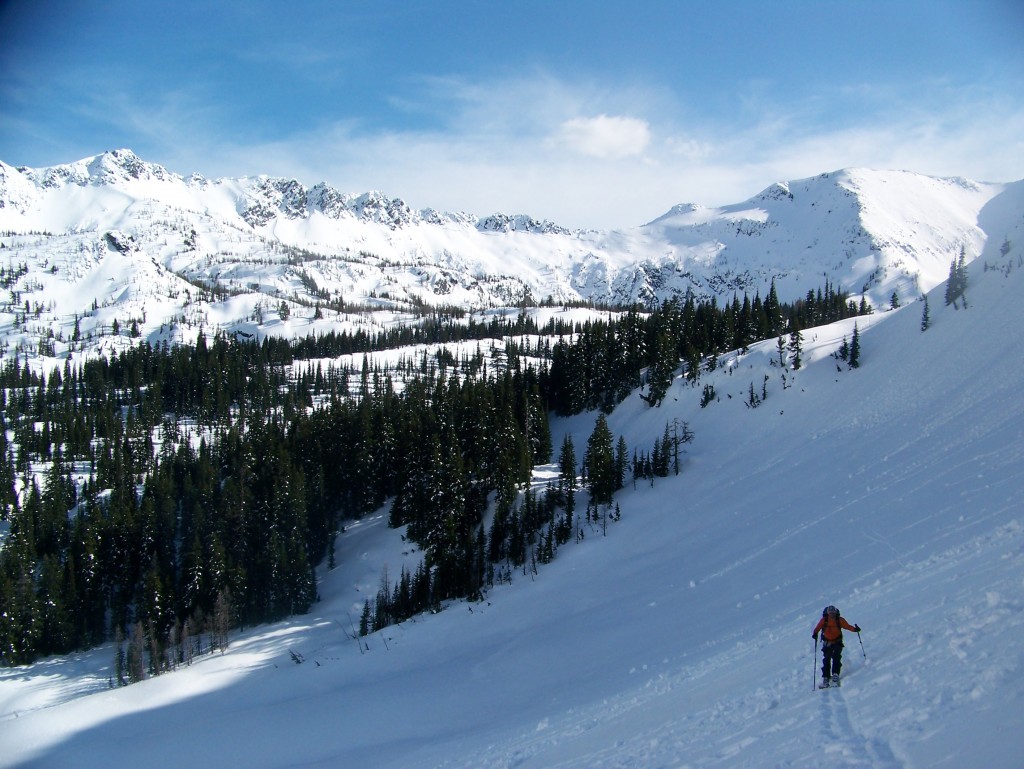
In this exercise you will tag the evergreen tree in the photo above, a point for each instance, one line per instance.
(951, 284)
(855, 348)
(663, 368)
(796, 340)
(567, 465)
(773, 311)
(599, 462)
(956, 284)
(661, 456)
(753, 400)
(621, 460)
(961, 270)
(120, 660)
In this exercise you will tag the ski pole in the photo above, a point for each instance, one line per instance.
(862, 645)
(814, 663)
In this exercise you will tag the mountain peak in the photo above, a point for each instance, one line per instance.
(678, 210)
(107, 168)
(776, 191)
(123, 164)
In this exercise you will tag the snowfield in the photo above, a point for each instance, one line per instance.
(683, 637)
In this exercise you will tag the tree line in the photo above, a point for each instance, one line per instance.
(606, 360)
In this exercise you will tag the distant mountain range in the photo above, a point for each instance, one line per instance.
(110, 249)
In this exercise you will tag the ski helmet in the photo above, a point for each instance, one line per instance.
(831, 611)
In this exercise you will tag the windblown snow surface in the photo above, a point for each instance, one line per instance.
(683, 637)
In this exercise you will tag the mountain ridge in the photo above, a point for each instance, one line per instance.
(225, 250)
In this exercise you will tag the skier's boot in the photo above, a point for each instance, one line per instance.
(835, 680)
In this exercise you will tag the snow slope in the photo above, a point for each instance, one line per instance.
(682, 638)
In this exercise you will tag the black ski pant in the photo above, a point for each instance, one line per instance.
(831, 659)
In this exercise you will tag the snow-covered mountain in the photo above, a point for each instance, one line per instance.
(683, 637)
(115, 238)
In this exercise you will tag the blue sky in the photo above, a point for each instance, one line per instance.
(592, 114)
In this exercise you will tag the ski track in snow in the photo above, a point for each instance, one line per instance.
(844, 745)
(886, 702)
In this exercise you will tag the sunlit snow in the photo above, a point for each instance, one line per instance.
(683, 637)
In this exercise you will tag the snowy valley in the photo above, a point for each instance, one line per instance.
(682, 636)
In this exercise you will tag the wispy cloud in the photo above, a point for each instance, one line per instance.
(605, 137)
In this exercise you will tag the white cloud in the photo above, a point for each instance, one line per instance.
(607, 137)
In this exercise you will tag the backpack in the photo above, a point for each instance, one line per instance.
(831, 616)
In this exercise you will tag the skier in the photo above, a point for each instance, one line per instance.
(831, 626)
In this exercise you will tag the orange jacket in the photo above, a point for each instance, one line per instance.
(832, 631)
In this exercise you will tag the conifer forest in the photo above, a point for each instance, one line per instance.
(166, 494)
